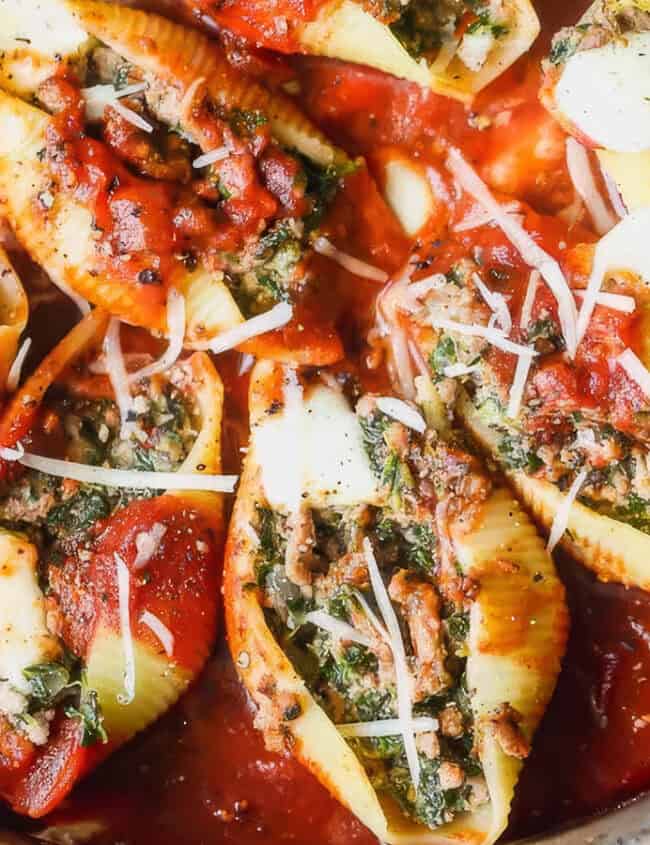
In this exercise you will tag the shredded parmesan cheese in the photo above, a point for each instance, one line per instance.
(352, 265)
(146, 543)
(176, 332)
(99, 96)
(480, 217)
(529, 299)
(186, 104)
(340, 630)
(561, 520)
(402, 412)
(275, 318)
(246, 362)
(497, 338)
(403, 677)
(118, 376)
(496, 302)
(386, 727)
(621, 249)
(531, 253)
(579, 167)
(635, 369)
(388, 302)
(212, 157)
(492, 335)
(399, 348)
(123, 594)
(134, 479)
(372, 616)
(160, 630)
(252, 534)
(456, 370)
(615, 301)
(131, 116)
(13, 377)
(417, 291)
(524, 363)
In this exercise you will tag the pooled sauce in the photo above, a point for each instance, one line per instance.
(201, 774)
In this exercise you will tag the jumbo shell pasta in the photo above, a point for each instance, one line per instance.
(182, 56)
(510, 666)
(228, 267)
(131, 630)
(345, 30)
(610, 548)
(595, 87)
(14, 311)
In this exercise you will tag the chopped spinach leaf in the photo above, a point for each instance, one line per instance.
(515, 456)
(443, 355)
(90, 715)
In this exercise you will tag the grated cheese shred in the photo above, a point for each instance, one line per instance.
(123, 594)
(403, 678)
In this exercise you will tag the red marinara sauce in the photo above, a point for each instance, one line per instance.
(269, 24)
(202, 772)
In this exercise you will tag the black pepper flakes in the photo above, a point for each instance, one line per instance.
(149, 277)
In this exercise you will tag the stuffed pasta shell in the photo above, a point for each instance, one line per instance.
(371, 568)
(111, 570)
(157, 169)
(14, 311)
(539, 342)
(595, 85)
(456, 48)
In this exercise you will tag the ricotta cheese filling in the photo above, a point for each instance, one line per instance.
(605, 93)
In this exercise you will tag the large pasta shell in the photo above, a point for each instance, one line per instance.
(181, 56)
(38, 39)
(57, 230)
(613, 550)
(510, 658)
(18, 416)
(345, 30)
(54, 227)
(62, 239)
(182, 595)
(631, 173)
(14, 311)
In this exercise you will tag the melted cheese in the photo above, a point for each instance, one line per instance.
(623, 249)
(408, 193)
(35, 37)
(47, 27)
(321, 440)
(24, 638)
(605, 93)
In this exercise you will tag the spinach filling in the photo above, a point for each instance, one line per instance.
(64, 683)
(611, 488)
(634, 511)
(348, 678)
(607, 21)
(270, 267)
(423, 26)
(274, 267)
(59, 515)
(355, 681)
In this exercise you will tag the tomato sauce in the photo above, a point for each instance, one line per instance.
(270, 24)
(201, 774)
